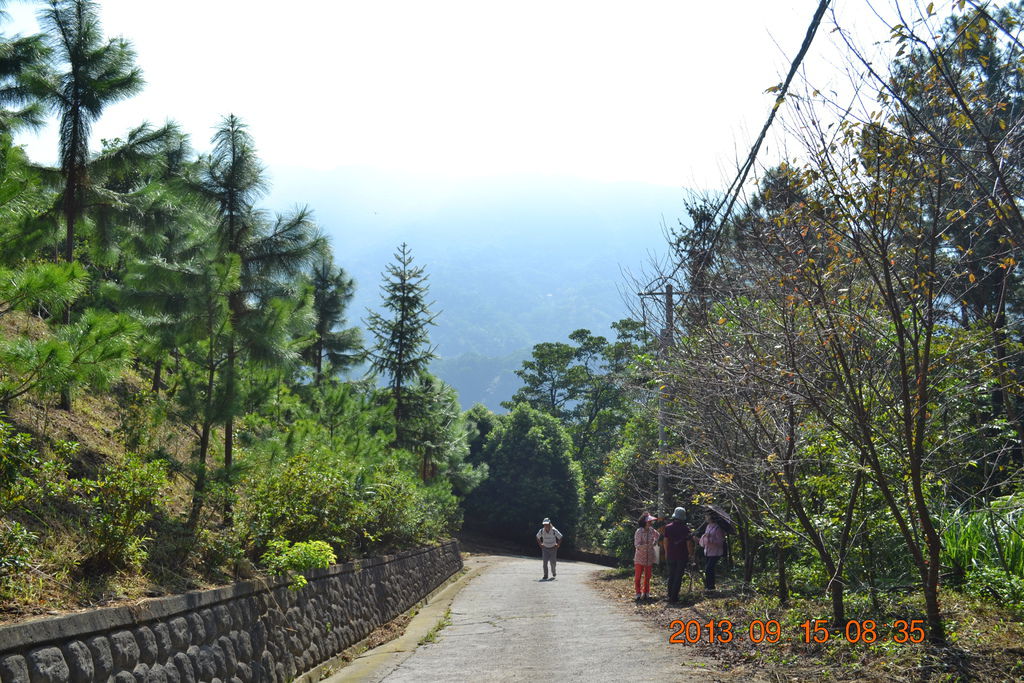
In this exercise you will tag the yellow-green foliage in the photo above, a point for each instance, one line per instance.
(283, 557)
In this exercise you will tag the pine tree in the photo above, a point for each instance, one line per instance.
(136, 190)
(93, 350)
(270, 255)
(168, 226)
(339, 347)
(402, 347)
(18, 57)
(98, 73)
(438, 428)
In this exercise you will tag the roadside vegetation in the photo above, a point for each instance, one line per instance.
(181, 388)
(840, 363)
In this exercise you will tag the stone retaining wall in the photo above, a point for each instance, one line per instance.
(249, 632)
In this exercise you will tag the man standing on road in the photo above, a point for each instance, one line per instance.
(678, 550)
(549, 539)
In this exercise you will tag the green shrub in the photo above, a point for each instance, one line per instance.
(283, 557)
(994, 584)
(618, 541)
(309, 497)
(531, 476)
(16, 456)
(118, 504)
(23, 473)
(15, 551)
(359, 509)
(217, 548)
(401, 512)
(991, 536)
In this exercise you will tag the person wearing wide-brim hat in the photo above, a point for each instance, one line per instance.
(678, 550)
(644, 540)
(549, 539)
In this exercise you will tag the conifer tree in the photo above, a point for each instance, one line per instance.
(19, 55)
(98, 73)
(270, 256)
(438, 428)
(334, 344)
(137, 190)
(402, 347)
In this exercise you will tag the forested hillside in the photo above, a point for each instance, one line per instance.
(171, 353)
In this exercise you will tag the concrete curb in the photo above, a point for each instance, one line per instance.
(375, 664)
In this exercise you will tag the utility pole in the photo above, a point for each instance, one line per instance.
(663, 351)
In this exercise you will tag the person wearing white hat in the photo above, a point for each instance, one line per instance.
(549, 539)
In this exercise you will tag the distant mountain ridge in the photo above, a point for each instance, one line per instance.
(513, 261)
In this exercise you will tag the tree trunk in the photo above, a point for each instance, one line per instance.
(870, 572)
(69, 243)
(780, 561)
(72, 181)
(229, 428)
(199, 492)
(319, 363)
(744, 535)
(936, 629)
(838, 609)
(157, 369)
(750, 547)
(1009, 407)
(200, 489)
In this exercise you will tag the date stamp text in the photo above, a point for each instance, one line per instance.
(811, 631)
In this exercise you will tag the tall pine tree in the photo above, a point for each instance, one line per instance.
(98, 73)
(270, 256)
(402, 349)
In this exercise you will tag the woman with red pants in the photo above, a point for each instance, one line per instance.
(645, 539)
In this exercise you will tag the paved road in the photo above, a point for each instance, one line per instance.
(509, 626)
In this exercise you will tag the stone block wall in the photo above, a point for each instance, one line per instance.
(249, 632)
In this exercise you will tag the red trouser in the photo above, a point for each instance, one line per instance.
(645, 570)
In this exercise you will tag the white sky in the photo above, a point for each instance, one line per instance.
(664, 92)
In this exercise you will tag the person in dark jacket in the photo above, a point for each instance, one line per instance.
(678, 550)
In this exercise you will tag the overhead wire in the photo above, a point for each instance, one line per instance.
(736, 186)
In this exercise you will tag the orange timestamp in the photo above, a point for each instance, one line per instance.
(770, 631)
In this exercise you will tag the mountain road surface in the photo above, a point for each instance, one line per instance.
(508, 625)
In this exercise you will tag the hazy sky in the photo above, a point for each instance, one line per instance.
(664, 92)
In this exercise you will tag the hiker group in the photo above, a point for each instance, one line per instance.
(679, 546)
(675, 538)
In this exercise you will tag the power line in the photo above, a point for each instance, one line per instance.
(731, 196)
(733, 192)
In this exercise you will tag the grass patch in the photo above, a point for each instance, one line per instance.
(431, 636)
